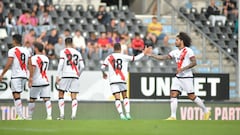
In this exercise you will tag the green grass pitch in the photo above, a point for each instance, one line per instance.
(119, 127)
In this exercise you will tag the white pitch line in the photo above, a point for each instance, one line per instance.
(28, 129)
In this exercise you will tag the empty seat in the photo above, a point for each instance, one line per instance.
(68, 8)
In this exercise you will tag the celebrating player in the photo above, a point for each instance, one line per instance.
(183, 80)
(38, 81)
(70, 67)
(19, 59)
(117, 64)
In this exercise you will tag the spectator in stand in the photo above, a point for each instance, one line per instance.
(50, 52)
(45, 21)
(43, 38)
(230, 7)
(150, 41)
(122, 28)
(112, 26)
(29, 47)
(128, 42)
(92, 45)
(113, 38)
(11, 24)
(124, 46)
(35, 9)
(58, 47)
(2, 20)
(137, 44)
(236, 27)
(34, 23)
(213, 13)
(30, 37)
(104, 46)
(157, 29)
(79, 43)
(102, 15)
(53, 37)
(65, 34)
(23, 23)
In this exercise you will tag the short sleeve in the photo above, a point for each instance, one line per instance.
(11, 53)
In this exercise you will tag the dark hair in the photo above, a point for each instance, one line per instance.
(68, 41)
(117, 46)
(185, 38)
(39, 46)
(17, 38)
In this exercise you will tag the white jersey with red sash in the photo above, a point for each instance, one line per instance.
(118, 66)
(20, 57)
(41, 62)
(70, 63)
(182, 58)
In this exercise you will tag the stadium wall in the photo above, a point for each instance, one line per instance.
(139, 110)
(141, 86)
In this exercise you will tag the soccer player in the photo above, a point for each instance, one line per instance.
(70, 67)
(117, 64)
(18, 60)
(183, 81)
(38, 81)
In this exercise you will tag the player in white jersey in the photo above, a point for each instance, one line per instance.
(117, 64)
(18, 60)
(39, 82)
(183, 80)
(69, 70)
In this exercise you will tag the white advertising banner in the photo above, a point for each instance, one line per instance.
(92, 87)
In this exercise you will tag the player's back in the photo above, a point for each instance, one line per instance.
(20, 57)
(41, 63)
(71, 64)
(118, 66)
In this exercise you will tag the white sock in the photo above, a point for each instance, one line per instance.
(200, 103)
(31, 107)
(173, 105)
(126, 103)
(48, 105)
(61, 107)
(118, 105)
(18, 106)
(74, 107)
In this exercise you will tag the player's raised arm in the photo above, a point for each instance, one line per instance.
(159, 57)
(145, 52)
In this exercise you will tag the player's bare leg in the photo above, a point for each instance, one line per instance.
(118, 105)
(61, 104)
(173, 104)
(126, 104)
(18, 105)
(48, 106)
(74, 105)
(200, 103)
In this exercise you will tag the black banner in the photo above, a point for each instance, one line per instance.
(158, 85)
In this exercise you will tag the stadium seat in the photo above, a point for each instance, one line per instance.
(203, 10)
(213, 36)
(68, 8)
(224, 37)
(76, 15)
(80, 9)
(183, 10)
(125, 8)
(216, 30)
(101, 28)
(57, 7)
(65, 14)
(113, 8)
(53, 14)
